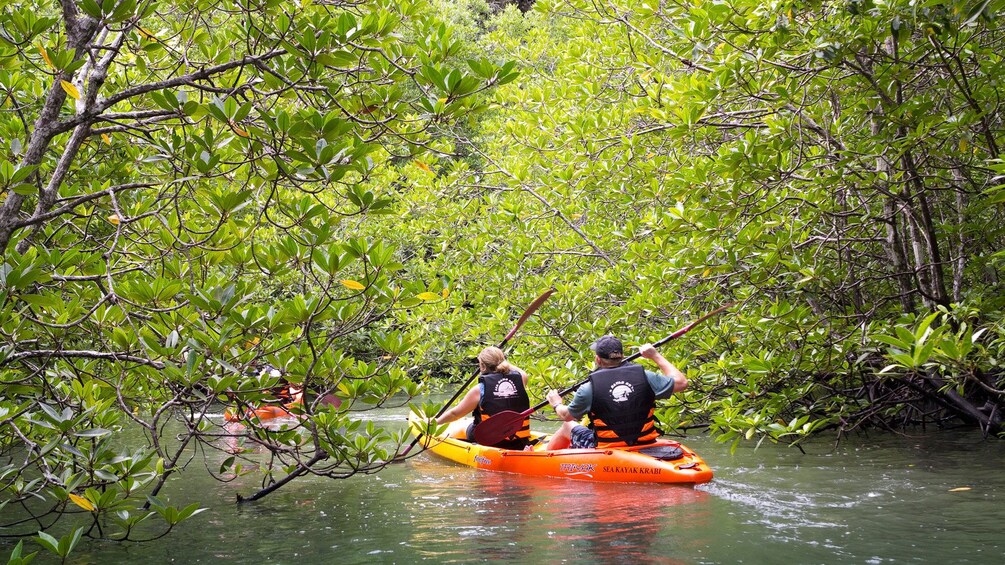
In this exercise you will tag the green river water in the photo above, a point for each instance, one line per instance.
(931, 498)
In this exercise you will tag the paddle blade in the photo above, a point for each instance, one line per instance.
(527, 313)
(499, 427)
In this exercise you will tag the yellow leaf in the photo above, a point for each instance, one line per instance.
(423, 166)
(352, 285)
(70, 89)
(446, 293)
(115, 219)
(146, 33)
(427, 296)
(106, 138)
(442, 100)
(959, 489)
(82, 502)
(647, 74)
(963, 144)
(237, 129)
(707, 271)
(45, 55)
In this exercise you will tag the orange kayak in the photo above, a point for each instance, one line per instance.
(665, 461)
(267, 412)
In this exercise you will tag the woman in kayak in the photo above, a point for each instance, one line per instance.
(501, 386)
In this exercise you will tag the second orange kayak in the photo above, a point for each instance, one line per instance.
(267, 412)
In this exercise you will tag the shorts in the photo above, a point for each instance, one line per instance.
(583, 438)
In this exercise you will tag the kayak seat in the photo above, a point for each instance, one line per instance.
(663, 452)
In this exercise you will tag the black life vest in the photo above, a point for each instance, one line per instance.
(623, 406)
(501, 393)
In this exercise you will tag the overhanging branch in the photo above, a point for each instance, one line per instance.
(79, 354)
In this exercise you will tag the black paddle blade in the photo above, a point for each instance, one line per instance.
(499, 427)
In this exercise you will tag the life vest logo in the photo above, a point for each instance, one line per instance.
(505, 389)
(621, 390)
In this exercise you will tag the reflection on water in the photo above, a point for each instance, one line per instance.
(884, 499)
(514, 516)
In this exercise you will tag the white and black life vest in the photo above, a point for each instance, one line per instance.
(623, 406)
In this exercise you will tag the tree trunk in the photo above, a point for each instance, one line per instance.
(80, 30)
(894, 243)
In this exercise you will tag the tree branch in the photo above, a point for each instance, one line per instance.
(80, 353)
(183, 80)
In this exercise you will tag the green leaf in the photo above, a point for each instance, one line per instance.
(105, 475)
(921, 332)
(69, 541)
(16, 557)
(22, 173)
(25, 189)
(92, 433)
(893, 342)
(41, 300)
(48, 542)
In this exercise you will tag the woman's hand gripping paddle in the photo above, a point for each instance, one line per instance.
(527, 314)
(504, 424)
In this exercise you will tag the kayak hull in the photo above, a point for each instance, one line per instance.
(268, 412)
(621, 465)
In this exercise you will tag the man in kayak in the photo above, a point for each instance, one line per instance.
(275, 402)
(286, 392)
(501, 386)
(620, 399)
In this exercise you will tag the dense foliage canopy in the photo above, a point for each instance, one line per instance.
(362, 194)
(184, 187)
(834, 167)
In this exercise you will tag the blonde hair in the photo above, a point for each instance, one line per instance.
(493, 360)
